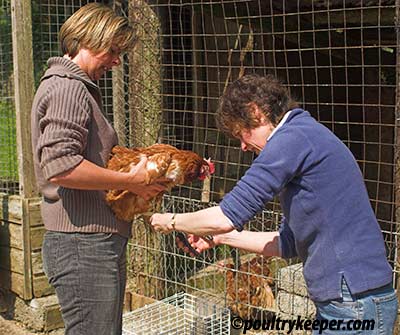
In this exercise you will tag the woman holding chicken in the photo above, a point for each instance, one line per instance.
(328, 221)
(84, 247)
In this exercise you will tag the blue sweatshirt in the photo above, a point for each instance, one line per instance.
(328, 220)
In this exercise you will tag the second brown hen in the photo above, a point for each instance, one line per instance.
(249, 288)
(163, 160)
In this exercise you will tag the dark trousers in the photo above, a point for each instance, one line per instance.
(88, 272)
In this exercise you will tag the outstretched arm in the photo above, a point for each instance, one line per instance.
(209, 221)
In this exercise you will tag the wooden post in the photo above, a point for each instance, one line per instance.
(24, 91)
(198, 91)
(118, 103)
(144, 125)
(199, 119)
(145, 76)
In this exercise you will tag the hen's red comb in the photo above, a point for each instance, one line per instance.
(211, 165)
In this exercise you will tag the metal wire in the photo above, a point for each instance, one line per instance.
(8, 146)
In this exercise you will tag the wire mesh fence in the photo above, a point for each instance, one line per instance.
(338, 58)
(253, 287)
(8, 146)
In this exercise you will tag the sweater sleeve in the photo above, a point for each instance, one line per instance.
(287, 245)
(283, 157)
(63, 127)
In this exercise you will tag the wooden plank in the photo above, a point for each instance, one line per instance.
(37, 263)
(27, 261)
(37, 234)
(35, 216)
(41, 286)
(40, 314)
(11, 208)
(15, 209)
(21, 20)
(15, 232)
(12, 259)
(11, 235)
(53, 318)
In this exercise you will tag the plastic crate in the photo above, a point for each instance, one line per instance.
(180, 314)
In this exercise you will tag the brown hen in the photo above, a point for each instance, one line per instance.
(163, 160)
(249, 288)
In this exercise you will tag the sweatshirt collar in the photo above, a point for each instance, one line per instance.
(62, 66)
(287, 117)
(280, 124)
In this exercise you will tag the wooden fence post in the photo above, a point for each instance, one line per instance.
(24, 91)
(21, 20)
(118, 104)
(144, 123)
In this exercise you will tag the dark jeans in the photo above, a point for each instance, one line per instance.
(88, 272)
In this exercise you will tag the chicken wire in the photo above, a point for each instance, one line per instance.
(223, 275)
(180, 314)
(8, 146)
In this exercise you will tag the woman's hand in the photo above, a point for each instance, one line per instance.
(198, 243)
(162, 223)
(138, 183)
(89, 176)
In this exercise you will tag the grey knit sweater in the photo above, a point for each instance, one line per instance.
(68, 126)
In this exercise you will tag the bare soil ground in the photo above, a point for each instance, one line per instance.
(11, 327)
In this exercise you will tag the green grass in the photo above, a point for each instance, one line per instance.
(8, 143)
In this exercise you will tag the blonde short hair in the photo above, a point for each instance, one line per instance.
(98, 28)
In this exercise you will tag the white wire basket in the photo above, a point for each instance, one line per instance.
(180, 314)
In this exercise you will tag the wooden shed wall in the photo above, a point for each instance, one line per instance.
(21, 235)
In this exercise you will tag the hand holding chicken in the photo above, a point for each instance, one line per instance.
(142, 189)
(165, 164)
(162, 223)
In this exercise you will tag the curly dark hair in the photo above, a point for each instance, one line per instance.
(235, 105)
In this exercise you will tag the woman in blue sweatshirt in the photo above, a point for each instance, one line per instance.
(328, 220)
